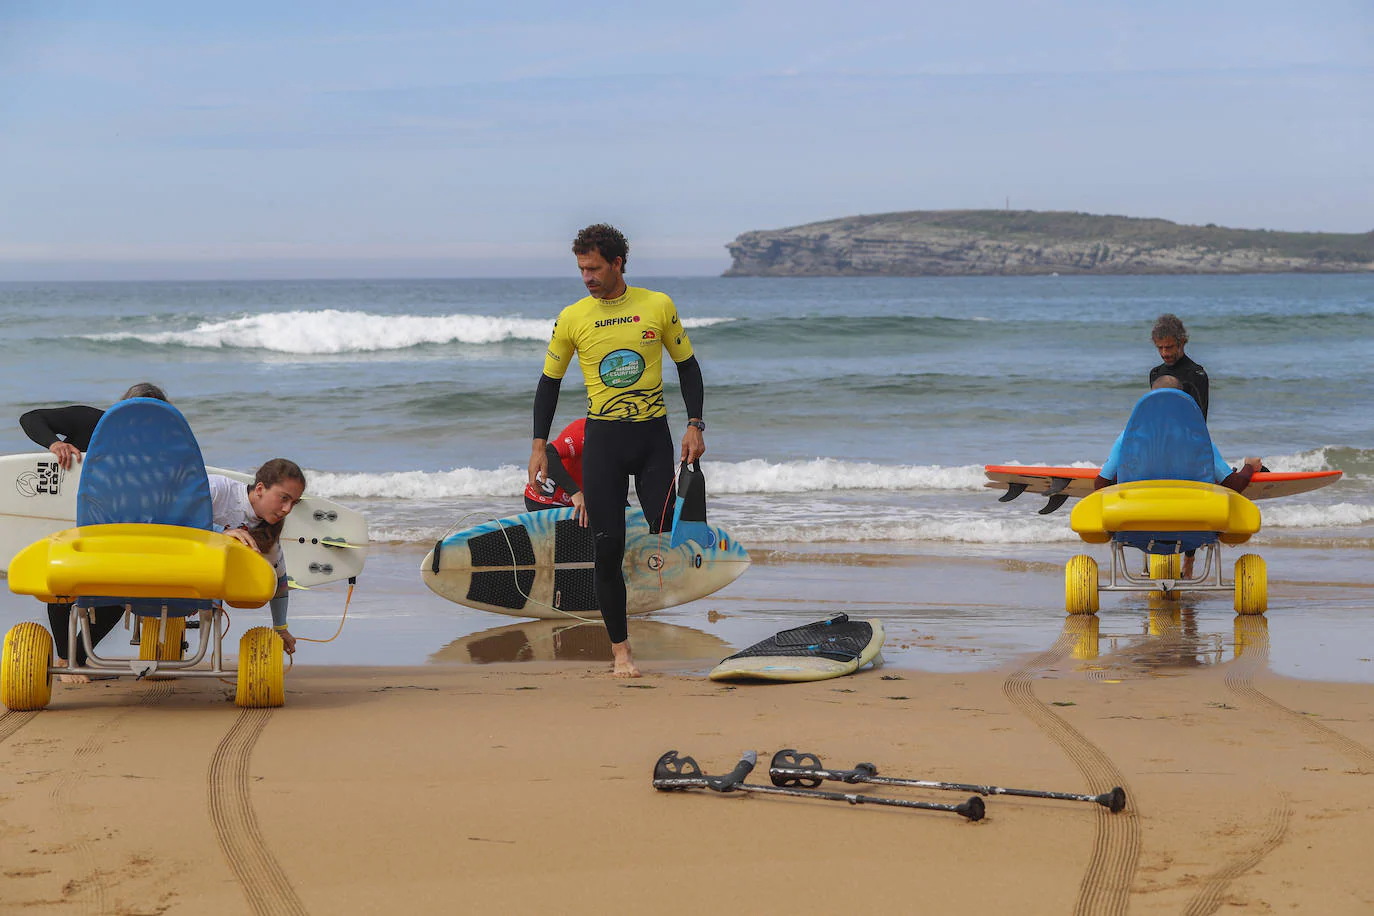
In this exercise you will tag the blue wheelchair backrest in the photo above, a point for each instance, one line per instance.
(144, 466)
(1166, 438)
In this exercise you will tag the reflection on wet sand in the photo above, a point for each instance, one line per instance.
(556, 640)
(1252, 637)
(1169, 640)
(1083, 629)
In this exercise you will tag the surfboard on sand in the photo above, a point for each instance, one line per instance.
(820, 650)
(1061, 484)
(539, 564)
(322, 540)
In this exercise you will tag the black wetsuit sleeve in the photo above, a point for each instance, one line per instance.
(558, 472)
(693, 389)
(545, 405)
(75, 424)
(1201, 386)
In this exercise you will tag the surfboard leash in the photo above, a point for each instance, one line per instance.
(672, 491)
(352, 583)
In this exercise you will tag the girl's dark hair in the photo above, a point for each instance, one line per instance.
(269, 475)
(145, 390)
(603, 238)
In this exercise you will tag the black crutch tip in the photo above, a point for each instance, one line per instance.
(973, 809)
(1114, 801)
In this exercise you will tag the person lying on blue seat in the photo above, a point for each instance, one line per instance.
(1203, 461)
(254, 515)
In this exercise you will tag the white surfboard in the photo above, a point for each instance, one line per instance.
(539, 564)
(322, 540)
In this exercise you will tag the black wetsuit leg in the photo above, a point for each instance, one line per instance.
(614, 452)
(107, 617)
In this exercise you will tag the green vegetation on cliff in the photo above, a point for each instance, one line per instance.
(949, 242)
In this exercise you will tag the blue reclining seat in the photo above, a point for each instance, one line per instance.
(144, 466)
(1166, 438)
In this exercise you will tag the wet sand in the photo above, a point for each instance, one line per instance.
(526, 788)
(505, 771)
(946, 609)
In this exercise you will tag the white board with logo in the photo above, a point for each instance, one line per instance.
(322, 540)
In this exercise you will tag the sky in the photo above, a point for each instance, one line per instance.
(338, 139)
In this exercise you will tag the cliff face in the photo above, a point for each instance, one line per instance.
(1001, 242)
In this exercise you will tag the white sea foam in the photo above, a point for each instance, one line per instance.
(986, 530)
(821, 474)
(1019, 530)
(1340, 515)
(332, 331)
(1302, 462)
(726, 478)
(507, 480)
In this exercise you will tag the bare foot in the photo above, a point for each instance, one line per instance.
(624, 663)
(70, 678)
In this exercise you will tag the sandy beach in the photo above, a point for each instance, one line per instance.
(527, 788)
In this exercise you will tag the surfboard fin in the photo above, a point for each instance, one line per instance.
(1013, 490)
(689, 516)
(1054, 503)
(1057, 485)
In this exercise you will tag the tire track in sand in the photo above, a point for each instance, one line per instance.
(1211, 896)
(87, 889)
(1254, 657)
(1106, 886)
(14, 719)
(265, 885)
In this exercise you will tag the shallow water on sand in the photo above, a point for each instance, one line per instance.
(971, 612)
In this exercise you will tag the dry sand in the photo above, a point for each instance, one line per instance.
(526, 789)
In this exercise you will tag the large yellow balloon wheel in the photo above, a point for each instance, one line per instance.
(1165, 566)
(1080, 585)
(161, 640)
(260, 683)
(25, 682)
(1252, 585)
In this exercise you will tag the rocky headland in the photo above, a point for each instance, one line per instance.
(947, 243)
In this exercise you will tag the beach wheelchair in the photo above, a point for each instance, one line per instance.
(1165, 504)
(143, 542)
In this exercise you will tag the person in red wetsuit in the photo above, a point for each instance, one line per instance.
(562, 486)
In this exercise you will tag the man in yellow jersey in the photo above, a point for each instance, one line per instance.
(619, 334)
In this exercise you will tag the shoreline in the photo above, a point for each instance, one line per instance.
(945, 611)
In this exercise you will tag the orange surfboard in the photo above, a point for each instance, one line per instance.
(1060, 484)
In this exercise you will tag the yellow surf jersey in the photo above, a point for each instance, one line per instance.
(619, 344)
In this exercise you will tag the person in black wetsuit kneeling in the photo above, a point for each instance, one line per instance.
(67, 432)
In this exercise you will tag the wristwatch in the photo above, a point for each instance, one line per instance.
(699, 424)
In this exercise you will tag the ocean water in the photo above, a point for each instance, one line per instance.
(845, 415)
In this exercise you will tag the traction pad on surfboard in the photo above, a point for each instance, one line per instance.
(838, 638)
